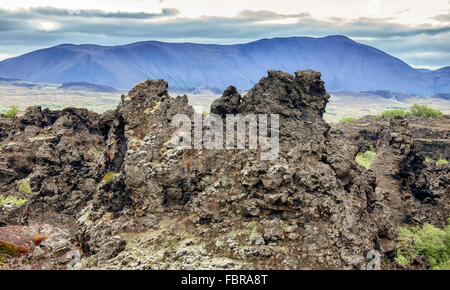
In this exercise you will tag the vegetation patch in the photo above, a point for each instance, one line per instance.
(414, 111)
(11, 113)
(12, 250)
(424, 111)
(12, 199)
(25, 186)
(39, 238)
(428, 240)
(109, 177)
(349, 119)
(366, 158)
(440, 161)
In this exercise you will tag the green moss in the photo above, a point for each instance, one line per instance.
(12, 199)
(25, 186)
(349, 119)
(93, 152)
(440, 161)
(366, 158)
(109, 177)
(427, 240)
(11, 249)
(428, 159)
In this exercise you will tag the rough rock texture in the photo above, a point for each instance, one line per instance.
(54, 154)
(143, 204)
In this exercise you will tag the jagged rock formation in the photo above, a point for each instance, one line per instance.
(143, 204)
(49, 158)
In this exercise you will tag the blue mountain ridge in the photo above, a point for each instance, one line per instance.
(345, 65)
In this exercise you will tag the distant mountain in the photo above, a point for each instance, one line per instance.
(390, 95)
(441, 79)
(345, 65)
(196, 91)
(8, 80)
(85, 86)
(423, 70)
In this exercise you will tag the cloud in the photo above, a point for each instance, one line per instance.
(112, 28)
(443, 17)
(93, 13)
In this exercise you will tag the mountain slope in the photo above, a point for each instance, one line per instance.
(344, 63)
(441, 78)
(84, 86)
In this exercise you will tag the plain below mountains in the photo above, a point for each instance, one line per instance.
(85, 86)
(345, 65)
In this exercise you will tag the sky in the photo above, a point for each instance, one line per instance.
(416, 31)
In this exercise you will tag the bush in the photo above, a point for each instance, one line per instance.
(11, 113)
(415, 111)
(424, 111)
(427, 240)
(349, 119)
(394, 113)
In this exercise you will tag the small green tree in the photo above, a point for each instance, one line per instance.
(424, 111)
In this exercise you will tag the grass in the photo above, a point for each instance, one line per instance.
(427, 240)
(415, 111)
(11, 113)
(349, 119)
(12, 199)
(365, 158)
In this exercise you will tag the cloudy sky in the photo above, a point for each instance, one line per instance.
(416, 31)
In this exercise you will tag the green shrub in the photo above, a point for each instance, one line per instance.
(394, 113)
(11, 113)
(366, 158)
(424, 111)
(349, 119)
(427, 240)
(415, 111)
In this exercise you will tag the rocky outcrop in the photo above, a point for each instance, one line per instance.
(142, 203)
(50, 159)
